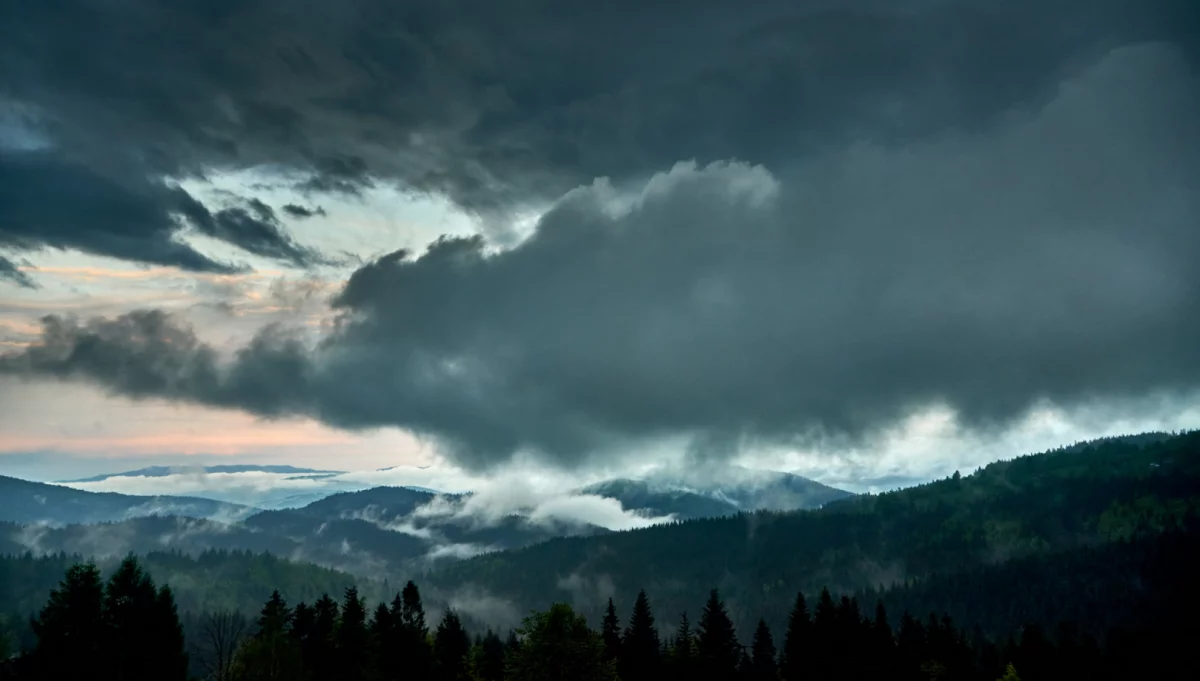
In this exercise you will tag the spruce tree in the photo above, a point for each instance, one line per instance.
(682, 661)
(451, 646)
(69, 628)
(763, 667)
(275, 616)
(412, 634)
(319, 653)
(380, 638)
(640, 658)
(610, 631)
(824, 656)
(351, 637)
(717, 646)
(169, 649)
(797, 642)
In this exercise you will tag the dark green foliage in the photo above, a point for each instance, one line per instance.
(351, 637)
(451, 649)
(640, 656)
(762, 655)
(682, 661)
(557, 645)
(610, 631)
(127, 628)
(717, 647)
(797, 642)
(488, 658)
(70, 628)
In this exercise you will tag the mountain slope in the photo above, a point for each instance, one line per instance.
(1029, 506)
(22, 501)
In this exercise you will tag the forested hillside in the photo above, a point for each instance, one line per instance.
(1047, 505)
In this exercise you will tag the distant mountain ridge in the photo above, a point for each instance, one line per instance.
(23, 501)
(164, 471)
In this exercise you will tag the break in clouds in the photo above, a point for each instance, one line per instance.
(810, 218)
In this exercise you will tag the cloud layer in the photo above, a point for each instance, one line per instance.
(948, 203)
(493, 106)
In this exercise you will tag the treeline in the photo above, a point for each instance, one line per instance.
(129, 630)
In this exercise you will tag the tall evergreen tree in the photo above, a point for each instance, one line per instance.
(380, 639)
(640, 658)
(69, 629)
(412, 634)
(351, 637)
(763, 665)
(319, 651)
(682, 661)
(169, 645)
(797, 642)
(129, 601)
(275, 616)
(824, 656)
(451, 646)
(717, 647)
(610, 631)
(272, 653)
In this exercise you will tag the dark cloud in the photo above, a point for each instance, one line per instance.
(496, 105)
(1051, 256)
(48, 201)
(301, 212)
(10, 271)
(893, 204)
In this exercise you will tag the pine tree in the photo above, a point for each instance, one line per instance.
(882, 655)
(412, 634)
(824, 655)
(640, 658)
(451, 646)
(682, 661)
(762, 667)
(793, 662)
(275, 616)
(717, 646)
(168, 644)
(129, 600)
(69, 628)
(318, 651)
(351, 637)
(271, 654)
(610, 631)
(380, 638)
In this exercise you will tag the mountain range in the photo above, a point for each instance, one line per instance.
(369, 532)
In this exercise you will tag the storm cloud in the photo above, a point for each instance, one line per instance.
(810, 217)
(497, 106)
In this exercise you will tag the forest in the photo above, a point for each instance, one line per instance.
(127, 629)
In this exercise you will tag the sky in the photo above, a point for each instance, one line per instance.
(869, 242)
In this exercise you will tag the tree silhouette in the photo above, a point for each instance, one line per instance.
(793, 665)
(717, 646)
(557, 645)
(451, 647)
(641, 652)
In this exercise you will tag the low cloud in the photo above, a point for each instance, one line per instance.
(549, 503)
